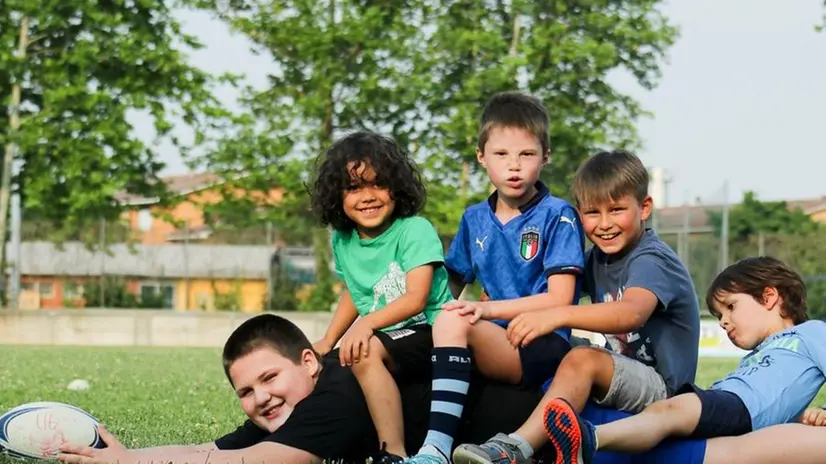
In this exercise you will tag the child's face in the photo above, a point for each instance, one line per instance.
(614, 225)
(270, 385)
(513, 159)
(747, 321)
(366, 204)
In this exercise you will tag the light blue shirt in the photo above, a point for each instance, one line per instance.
(780, 378)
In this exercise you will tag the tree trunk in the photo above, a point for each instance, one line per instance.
(11, 148)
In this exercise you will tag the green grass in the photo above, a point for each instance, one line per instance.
(154, 396)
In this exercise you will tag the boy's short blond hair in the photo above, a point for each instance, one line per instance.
(609, 175)
(514, 109)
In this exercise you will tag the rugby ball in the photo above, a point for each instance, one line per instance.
(36, 430)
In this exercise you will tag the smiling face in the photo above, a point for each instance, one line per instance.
(269, 385)
(368, 205)
(513, 158)
(613, 225)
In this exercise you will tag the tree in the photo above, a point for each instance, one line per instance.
(562, 52)
(752, 217)
(789, 234)
(72, 72)
(342, 66)
(420, 70)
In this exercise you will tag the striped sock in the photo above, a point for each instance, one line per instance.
(451, 379)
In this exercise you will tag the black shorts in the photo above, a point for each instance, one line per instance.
(723, 413)
(410, 349)
(541, 358)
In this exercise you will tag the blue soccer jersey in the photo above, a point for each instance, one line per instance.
(779, 379)
(514, 260)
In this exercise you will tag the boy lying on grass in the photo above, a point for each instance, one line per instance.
(303, 408)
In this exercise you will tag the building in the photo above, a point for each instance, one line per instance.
(186, 219)
(179, 276)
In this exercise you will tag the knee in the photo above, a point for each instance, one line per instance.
(583, 360)
(449, 328)
(375, 357)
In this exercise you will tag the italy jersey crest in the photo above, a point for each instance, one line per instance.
(529, 243)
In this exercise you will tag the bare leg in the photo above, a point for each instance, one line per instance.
(584, 372)
(677, 416)
(495, 357)
(382, 396)
(797, 443)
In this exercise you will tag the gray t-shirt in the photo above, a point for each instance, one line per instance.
(669, 339)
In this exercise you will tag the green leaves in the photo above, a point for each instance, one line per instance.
(89, 65)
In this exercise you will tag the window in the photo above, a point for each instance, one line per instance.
(46, 289)
(144, 220)
(159, 295)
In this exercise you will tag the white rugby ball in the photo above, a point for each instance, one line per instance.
(36, 430)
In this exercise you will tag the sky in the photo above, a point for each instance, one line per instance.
(740, 102)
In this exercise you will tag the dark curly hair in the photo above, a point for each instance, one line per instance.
(394, 170)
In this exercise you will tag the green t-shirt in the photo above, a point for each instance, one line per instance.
(375, 269)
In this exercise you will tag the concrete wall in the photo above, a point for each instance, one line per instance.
(124, 327)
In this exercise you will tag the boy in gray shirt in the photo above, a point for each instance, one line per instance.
(643, 300)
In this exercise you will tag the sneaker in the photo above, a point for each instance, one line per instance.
(501, 449)
(428, 455)
(573, 438)
(383, 457)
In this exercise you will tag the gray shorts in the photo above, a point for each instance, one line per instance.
(634, 385)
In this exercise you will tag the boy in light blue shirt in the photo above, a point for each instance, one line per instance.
(761, 304)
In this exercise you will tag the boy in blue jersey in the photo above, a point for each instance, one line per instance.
(526, 248)
(639, 290)
(761, 304)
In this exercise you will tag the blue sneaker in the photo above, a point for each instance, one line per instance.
(574, 438)
(428, 455)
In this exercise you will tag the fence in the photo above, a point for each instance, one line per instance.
(705, 253)
(239, 270)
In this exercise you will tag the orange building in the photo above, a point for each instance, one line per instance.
(191, 192)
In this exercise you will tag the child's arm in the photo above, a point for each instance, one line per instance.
(343, 318)
(207, 453)
(623, 316)
(647, 287)
(562, 262)
(561, 290)
(355, 343)
(814, 416)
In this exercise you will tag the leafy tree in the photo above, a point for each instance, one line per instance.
(342, 66)
(420, 70)
(752, 217)
(562, 52)
(71, 72)
(786, 233)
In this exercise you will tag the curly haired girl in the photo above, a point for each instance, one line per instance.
(392, 263)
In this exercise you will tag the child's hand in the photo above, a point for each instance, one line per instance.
(814, 416)
(476, 310)
(322, 347)
(355, 343)
(526, 327)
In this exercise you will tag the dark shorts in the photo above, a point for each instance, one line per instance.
(541, 358)
(723, 413)
(411, 349)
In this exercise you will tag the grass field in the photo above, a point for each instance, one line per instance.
(153, 396)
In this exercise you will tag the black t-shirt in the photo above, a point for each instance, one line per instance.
(333, 422)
